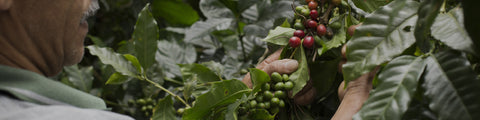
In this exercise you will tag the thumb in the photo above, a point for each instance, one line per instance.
(284, 66)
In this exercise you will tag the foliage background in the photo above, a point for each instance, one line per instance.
(200, 41)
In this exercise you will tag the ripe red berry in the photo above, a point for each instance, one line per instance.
(314, 14)
(321, 30)
(294, 41)
(311, 24)
(308, 42)
(312, 5)
(299, 33)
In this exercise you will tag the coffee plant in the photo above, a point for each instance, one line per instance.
(185, 59)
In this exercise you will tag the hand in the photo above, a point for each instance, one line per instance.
(285, 66)
(354, 95)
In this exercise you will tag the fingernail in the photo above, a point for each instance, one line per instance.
(291, 64)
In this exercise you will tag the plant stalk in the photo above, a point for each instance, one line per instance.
(169, 92)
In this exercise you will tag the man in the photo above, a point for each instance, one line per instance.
(38, 38)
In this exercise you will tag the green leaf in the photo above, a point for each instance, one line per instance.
(171, 53)
(279, 36)
(362, 6)
(268, 11)
(174, 11)
(285, 24)
(221, 93)
(381, 37)
(397, 85)
(231, 112)
(452, 87)
(215, 9)
(427, 13)
(472, 26)
(202, 73)
(96, 40)
(199, 33)
(134, 61)
(117, 61)
(301, 76)
(449, 29)
(145, 38)
(258, 77)
(116, 78)
(81, 78)
(325, 75)
(164, 110)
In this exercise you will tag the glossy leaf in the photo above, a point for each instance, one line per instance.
(427, 13)
(221, 93)
(215, 9)
(116, 78)
(449, 29)
(81, 78)
(368, 6)
(279, 36)
(231, 112)
(169, 11)
(452, 87)
(202, 73)
(472, 26)
(268, 11)
(258, 78)
(397, 85)
(171, 53)
(164, 109)
(199, 32)
(134, 61)
(117, 61)
(301, 76)
(145, 38)
(325, 75)
(383, 35)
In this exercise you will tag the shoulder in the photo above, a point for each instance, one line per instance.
(12, 109)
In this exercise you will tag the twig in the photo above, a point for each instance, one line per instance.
(169, 92)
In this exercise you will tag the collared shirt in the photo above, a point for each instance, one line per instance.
(35, 94)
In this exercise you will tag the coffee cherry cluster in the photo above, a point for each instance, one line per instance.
(272, 96)
(145, 105)
(309, 23)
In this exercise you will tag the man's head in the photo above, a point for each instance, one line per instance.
(43, 35)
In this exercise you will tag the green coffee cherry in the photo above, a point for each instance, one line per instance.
(299, 26)
(275, 101)
(144, 108)
(261, 105)
(253, 103)
(259, 98)
(305, 12)
(276, 77)
(279, 86)
(279, 94)
(281, 104)
(149, 107)
(141, 101)
(267, 105)
(288, 85)
(180, 111)
(266, 87)
(299, 9)
(268, 95)
(336, 25)
(285, 78)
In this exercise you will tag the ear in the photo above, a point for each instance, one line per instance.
(5, 4)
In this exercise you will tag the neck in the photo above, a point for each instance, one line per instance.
(19, 50)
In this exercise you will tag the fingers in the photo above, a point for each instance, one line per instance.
(341, 91)
(306, 95)
(273, 57)
(284, 66)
